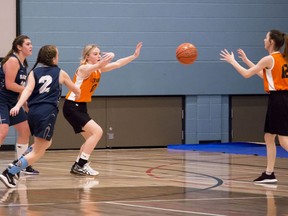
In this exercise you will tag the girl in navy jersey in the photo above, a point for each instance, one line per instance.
(273, 69)
(43, 92)
(13, 77)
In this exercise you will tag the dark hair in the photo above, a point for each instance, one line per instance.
(46, 55)
(18, 41)
(280, 39)
(285, 53)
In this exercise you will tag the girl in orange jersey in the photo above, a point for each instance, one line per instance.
(273, 69)
(87, 77)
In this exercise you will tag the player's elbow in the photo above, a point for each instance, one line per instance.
(10, 87)
(246, 76)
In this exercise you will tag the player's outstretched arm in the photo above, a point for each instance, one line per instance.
(229, 57)
(123, 61)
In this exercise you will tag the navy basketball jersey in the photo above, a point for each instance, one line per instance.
(47, 87)
(20, 79)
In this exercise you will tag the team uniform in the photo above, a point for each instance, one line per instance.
(8, 98)
(75, 111)
(276, 84)
(43, 102)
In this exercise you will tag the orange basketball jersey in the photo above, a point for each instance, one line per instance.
(86, 85)
(276, 78)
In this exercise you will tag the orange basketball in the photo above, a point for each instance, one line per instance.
(186, 53)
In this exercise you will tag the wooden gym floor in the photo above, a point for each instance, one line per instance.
(154, 181)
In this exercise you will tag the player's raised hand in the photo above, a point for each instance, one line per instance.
(242, 55)
(138, 49)
(226, 56)
(106, 58)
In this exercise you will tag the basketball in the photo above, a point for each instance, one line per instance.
(186, 53)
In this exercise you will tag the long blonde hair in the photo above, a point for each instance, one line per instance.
(86, 52)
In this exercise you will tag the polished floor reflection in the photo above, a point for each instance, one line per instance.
(154, 181)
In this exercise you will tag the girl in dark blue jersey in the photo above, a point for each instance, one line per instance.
(13, 77)
(43, 92)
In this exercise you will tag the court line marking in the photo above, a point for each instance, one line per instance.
(149, 172)
(164, 209)
(139, 206)
(200, 199)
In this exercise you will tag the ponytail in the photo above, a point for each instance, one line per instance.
(5, 59)
(18, 41)
(285, 53)
(46, 55)
(36, 63)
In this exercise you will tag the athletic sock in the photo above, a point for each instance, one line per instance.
(77, 159)
(21, 149)
(29, 149)
(21, 164)
(83, 159)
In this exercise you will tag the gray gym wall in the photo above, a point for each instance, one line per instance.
(118, 25)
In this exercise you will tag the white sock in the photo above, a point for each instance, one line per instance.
(21, 149)
(84, 156)
(77, 159)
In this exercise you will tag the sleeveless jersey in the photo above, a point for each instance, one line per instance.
(47, 87)
(276, 78)
(20, 79)
(86, 85)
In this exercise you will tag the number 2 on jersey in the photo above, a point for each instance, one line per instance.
(46, 80)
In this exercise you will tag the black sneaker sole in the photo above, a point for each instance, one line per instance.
(5, 182)
(267, 181)
(76, 173)
(29, 173)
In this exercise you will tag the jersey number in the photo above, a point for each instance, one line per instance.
(285, 71)
(46, 80)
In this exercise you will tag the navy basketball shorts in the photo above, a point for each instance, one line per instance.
(76, 114)
(42, 119)
(277, 113)
(5, 117)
